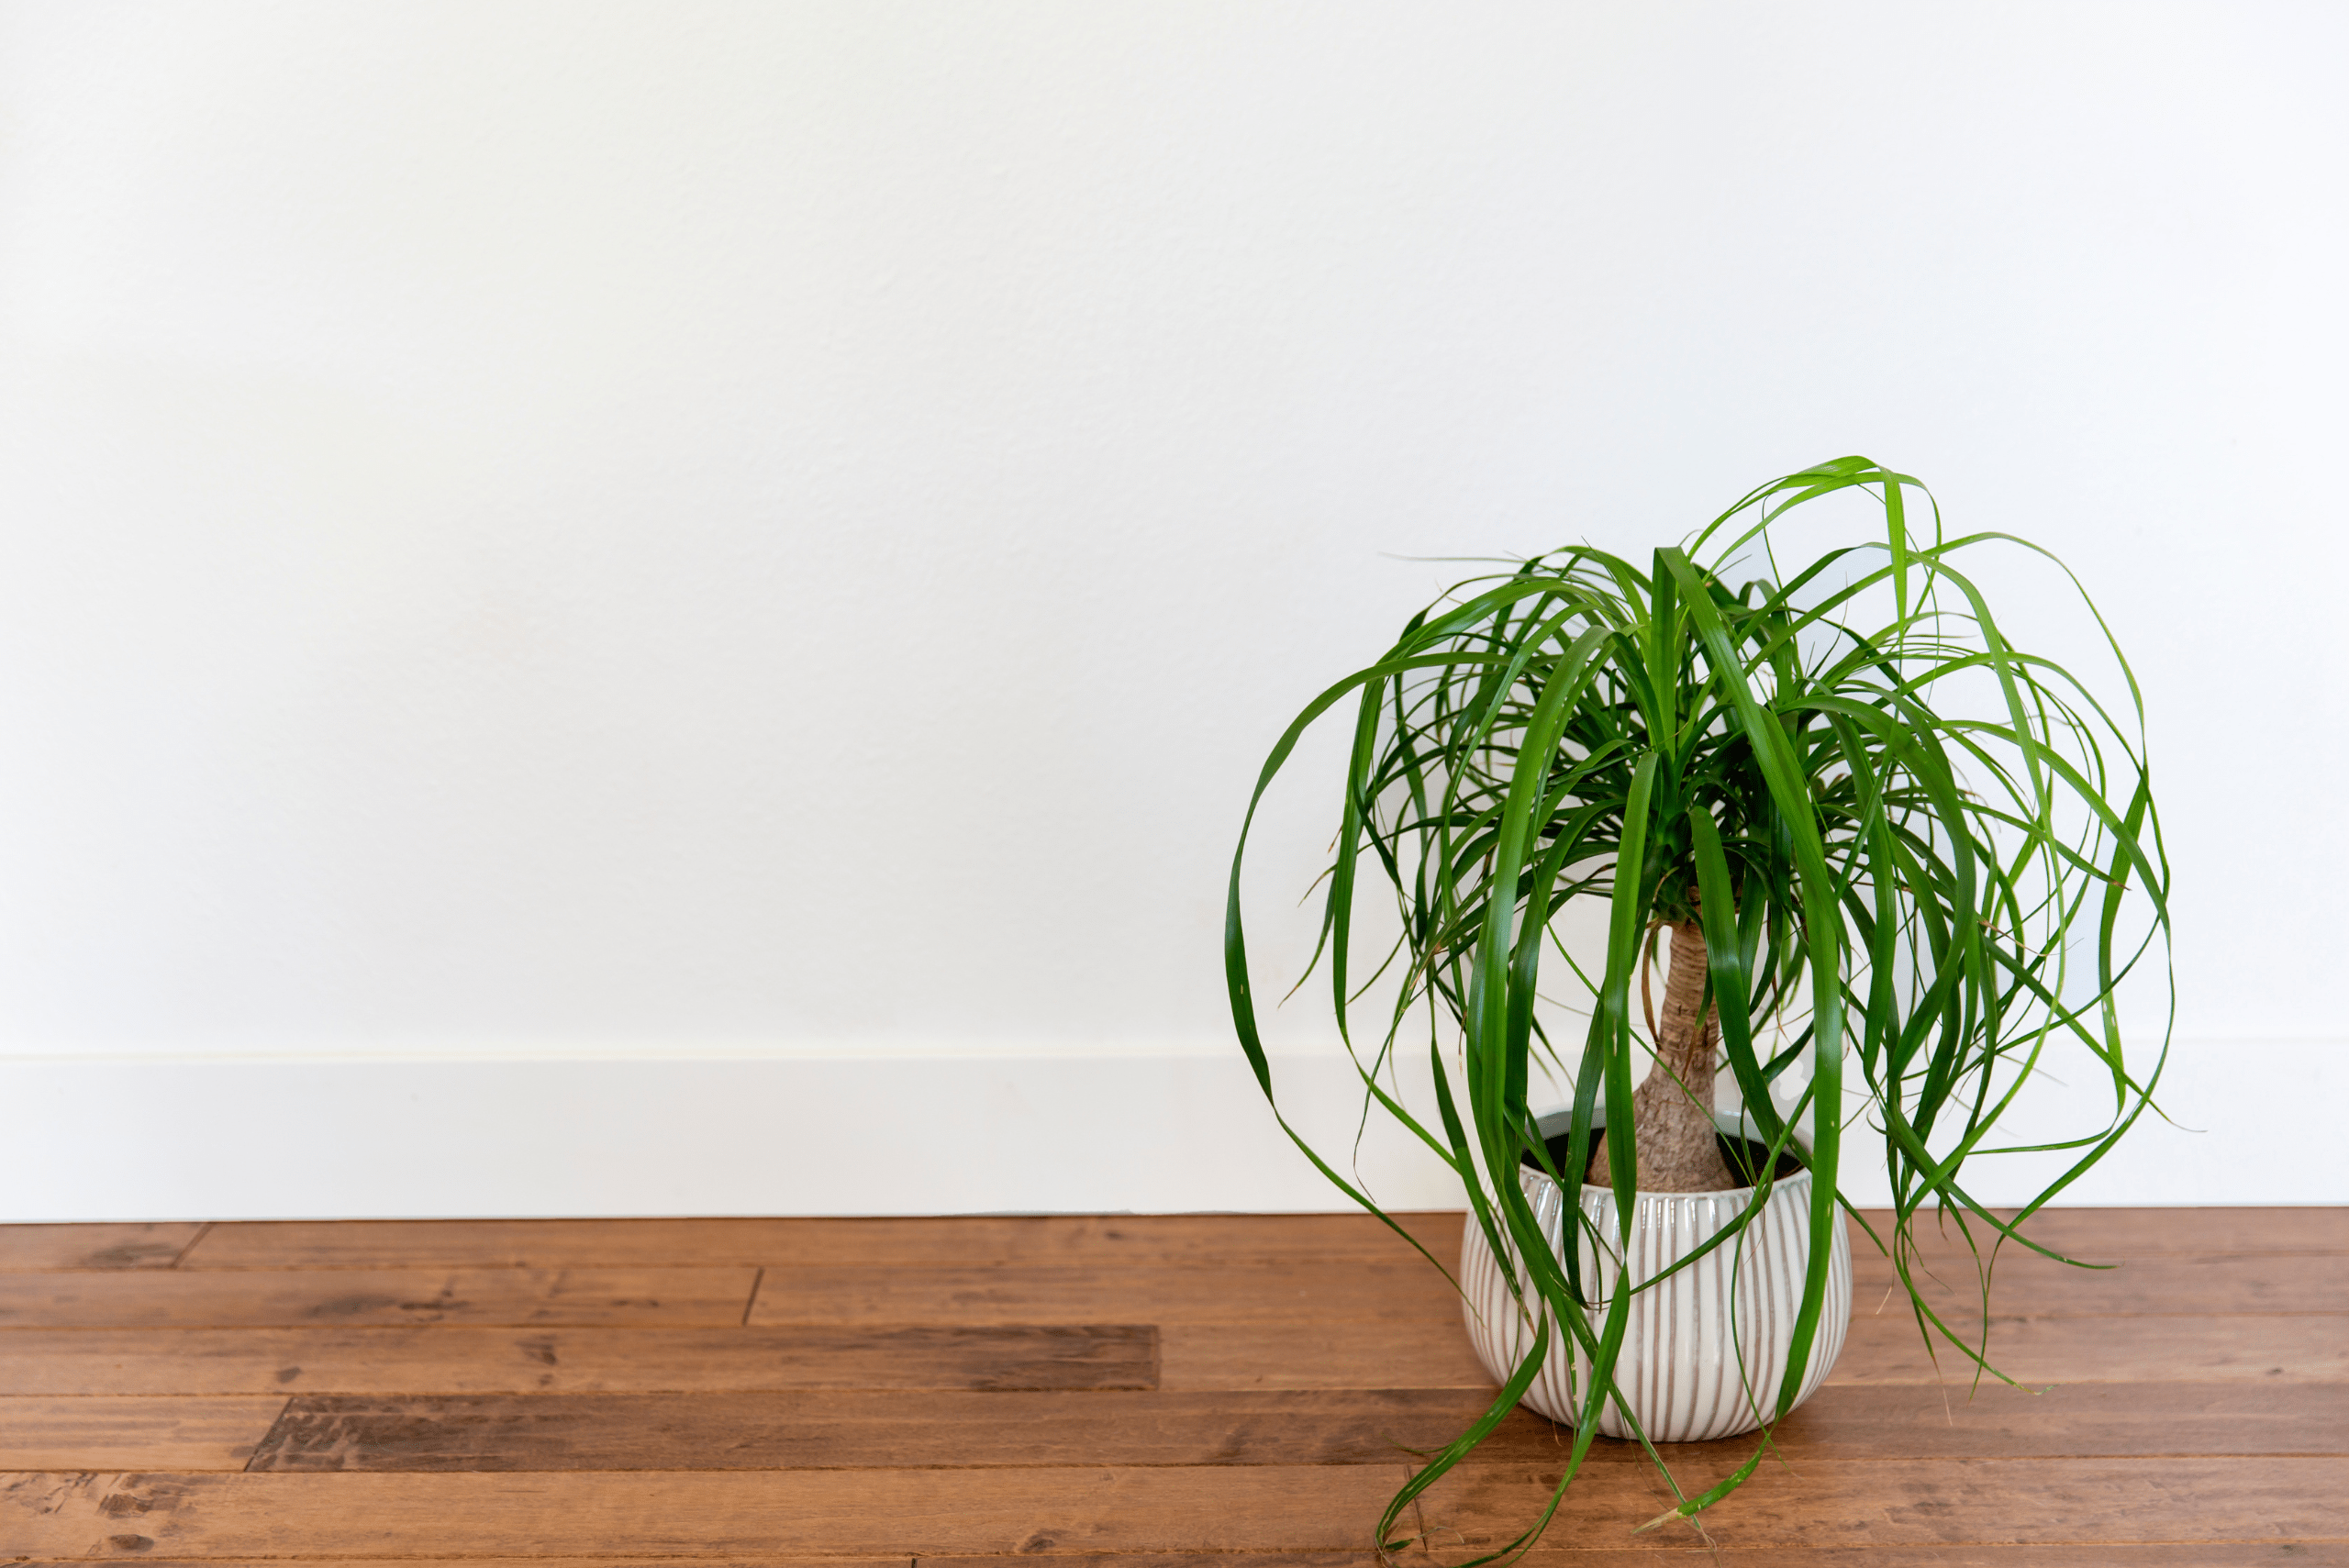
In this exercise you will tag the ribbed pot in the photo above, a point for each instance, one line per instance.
(1706, 1349)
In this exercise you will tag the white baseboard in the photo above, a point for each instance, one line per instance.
(871, 1133)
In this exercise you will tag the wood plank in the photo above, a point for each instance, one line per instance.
(869, 1429)
(93, 1246)
(1434, 1353)
(1995, 1554)
(2200, 1555)
(1287, 1507)
(1897, 1503)
(273, 1297)
(1240, 1293)
(455, 1360)
(1886, 1503)
(2104, 1420)
(1415, 1353)
(282, 1297)
(784, 1430)
(2258, 1347)
(729, 1559)
(2099, 1235)
(2106, 1235)
(464, 1360)
(51, 1433)
(2027, 1284)
(955, 1242)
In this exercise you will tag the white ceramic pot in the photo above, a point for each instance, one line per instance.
(1706, 1349)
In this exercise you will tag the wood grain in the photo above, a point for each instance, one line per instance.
(2199, 1555)
(843, 1294)
(2212, 1554)
(2025, 1285)
(50, 1433)
(754, 1431)
(1879, 1505)
(1237, 1294)
(1191, 1357)
(844, 1512)
(462, 1360)
(1987, 1554)
(1163, 1391)
(727, 1559)
(1890, 1503)
(286, 1298)
(2208, 1554)
(93, 1246)
(2109, 1235)
(784, 1429)
(1883, 1349)
(958, 1242)
(1420, 1352)
(2104, 1420)
(2259, 1348)
(2100, 1235)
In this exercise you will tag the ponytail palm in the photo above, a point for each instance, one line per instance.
(1909, 860)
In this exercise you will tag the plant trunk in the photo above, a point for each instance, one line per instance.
(1672, 1110)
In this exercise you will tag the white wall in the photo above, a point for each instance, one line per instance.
(683, 572)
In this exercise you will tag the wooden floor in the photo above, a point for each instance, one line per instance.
(1147, 1390)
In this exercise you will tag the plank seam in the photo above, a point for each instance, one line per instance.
(269, 1438)
(750, 1305)
(202, 1231)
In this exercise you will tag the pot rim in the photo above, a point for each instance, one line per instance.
(1732, 1123)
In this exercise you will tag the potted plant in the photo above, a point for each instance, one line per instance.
(1888, 861)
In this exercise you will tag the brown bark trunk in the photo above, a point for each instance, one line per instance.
(1672, 1111)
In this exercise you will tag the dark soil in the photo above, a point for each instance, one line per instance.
(1744, 1156)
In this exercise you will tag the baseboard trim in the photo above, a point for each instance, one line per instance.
(261, 1138)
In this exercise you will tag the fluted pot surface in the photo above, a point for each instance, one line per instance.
(1707, 1350)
